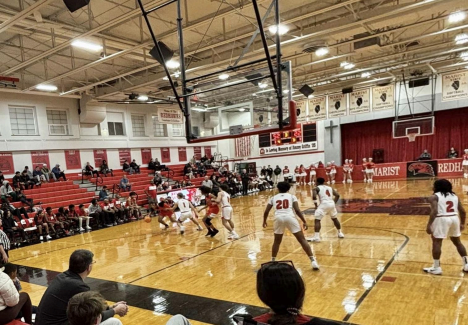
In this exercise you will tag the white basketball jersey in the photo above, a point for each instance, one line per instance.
(447, 205)
(325, 193)
(283, 204)
(225, 200)
(184, 205)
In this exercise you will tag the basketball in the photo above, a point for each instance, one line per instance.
(147, 219)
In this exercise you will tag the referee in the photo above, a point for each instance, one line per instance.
(4, 245)
(245, 182)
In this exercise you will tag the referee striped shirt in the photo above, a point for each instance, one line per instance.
(4, 241)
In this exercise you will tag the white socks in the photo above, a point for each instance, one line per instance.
(436, 263)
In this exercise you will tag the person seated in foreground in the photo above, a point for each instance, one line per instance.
(135, 166)
(12, 302)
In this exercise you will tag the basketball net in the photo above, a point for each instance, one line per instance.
(412, 137)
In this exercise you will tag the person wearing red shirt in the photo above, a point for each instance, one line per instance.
(465, 164)
(108, 213)
(120, 210)
(328, 170)
(313, 174)
(41, 223)
(165, 210)
(53, 222)
(151, 192)
(370, 170)
(81, 214)
(212, 210)
(364, 169)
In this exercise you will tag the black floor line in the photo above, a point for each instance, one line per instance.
(379, 276)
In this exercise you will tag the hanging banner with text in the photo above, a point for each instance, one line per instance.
(317, 108)
(383, 98)
(145, 155)
(182, 154)
(170, 116)
(289, 148)
(6, 163)
(165, 155)
(39, 158)
(125, 154)
(73, 159)
(455, 85)
(337, 104)
(197, 152)
(99, 156)
(301, 111)
(208, 152)
(359, 101)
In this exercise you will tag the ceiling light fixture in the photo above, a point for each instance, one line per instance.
(223, 76)
(172, 64)
(286, 91)
(464, 56)
(349, 66)
(87, 45)
(262, 85)
(456, 17)
(47, 87)
(461, 39)
(343, 64)
(143, 98)
(310, 96)
(241, 109)
(366, 75)
(322, 51)
(282, 29)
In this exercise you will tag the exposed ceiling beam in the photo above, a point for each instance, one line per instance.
(23, 14)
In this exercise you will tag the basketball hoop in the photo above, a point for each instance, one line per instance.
(412, 137)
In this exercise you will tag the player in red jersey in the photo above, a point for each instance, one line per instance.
(165, 210)
(364, 169)
(345, 171)
(328, 170)
(313, 174)
(370, 170)
(212, 210)
(465, 164)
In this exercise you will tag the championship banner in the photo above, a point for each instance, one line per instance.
(359, 101)
(197, 152)
(317, 108)
(170, 116)
(337, 104)
(165, 155)
(125, 154)
(182, 154)
(99, 156)
(455, 86)
(39, 158)
(6, 163)
(145, 155)
(301, 111)
(208, 152)
(73, 159)
(383, 98)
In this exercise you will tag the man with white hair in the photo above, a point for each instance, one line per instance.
(47, 173)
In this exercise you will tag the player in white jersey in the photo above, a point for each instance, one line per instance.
(328, 197)
(187, 211)
(285, 205)
(224, 199)
(447, 218)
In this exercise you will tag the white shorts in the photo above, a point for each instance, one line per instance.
(313, 173)
(226, 212)
(185, 215)
(286, 222)
(465, 163)
(369, 171)
(302, 174)
(324, 209)
(444, 227)
(333, 172)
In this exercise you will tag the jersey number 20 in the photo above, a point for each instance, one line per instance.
(282, 204)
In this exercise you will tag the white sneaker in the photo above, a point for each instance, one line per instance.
(333, 182)
(344, 182)
(328, 183)
(48, 237)
(89, 228)
(465, 268)
(314, 239)
(340, 234)
(82, 229)
(433, 270)
(41, 238)
(350, 181)
(315, 265)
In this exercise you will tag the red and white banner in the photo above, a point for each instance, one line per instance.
(73, 159)
(208, 152)
(450, 167)
(182, 154)
(39, 158)
(243, 147)
(145, 155)
(125, 154)
(6, 163)
(165, 155)
(99, 156)
(197, 152)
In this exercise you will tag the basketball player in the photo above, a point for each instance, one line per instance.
(447, 218)
(186, 208)
(327, 172)
(350, 173)
(465, 164)
(328, 197)
(165, 210)
(224, 199)
(212, 210)
(364, 169)
(345, 171)
(313, 174)
(370, 170)
(285, 205)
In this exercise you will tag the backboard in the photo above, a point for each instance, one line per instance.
(414, 127)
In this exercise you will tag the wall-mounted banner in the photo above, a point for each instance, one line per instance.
(197, 152)
(73, 159)
(99, 156)
(359, 101)
(125, 154)
(337, 105)
(455, 85)
(39, 158)
(301, 111)
(383, 97)
(170, 116)
(289, 148)
(317, 108)
(6, 163)
(145, 155)
(182, 154)
(165, 155)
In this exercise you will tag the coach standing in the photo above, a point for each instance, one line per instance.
(245, 182)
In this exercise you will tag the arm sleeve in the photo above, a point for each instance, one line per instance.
(108, 313)
(9, 293)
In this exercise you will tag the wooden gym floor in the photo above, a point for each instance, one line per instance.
(373, 276)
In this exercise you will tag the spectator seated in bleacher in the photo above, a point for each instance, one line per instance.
(16, 212)
(39, 175)
(2, 177)
(7, 192)
(135, 166)
(176, 185)
(166, 186)
(80, 214)
(223, 171)
(16, 180)
(86, 308)
(12, 271)
(21, 197)
(188, 171)
(90, 171)
(68, 224)
(47, 173)
(53, 306)
(108, 218)
(103, 194)
(207, 182)
(127, 168)
(94, 210)
(201, 170)
(41, 224)
(105, 169)
(12, 303)
(152, 165)
(58, 173)
(121, 210)
(158, 165)
(124, 184)
(54, 223)
(204, 159)
(157, 179)
(11, 229)
(31, 177)
(26, 180)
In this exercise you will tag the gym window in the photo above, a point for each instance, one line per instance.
(58, 122)
(22, 121)
(115, 128)
(177, 130)
(160, 130)
(138, 126)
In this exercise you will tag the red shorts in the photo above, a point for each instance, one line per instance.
(214, 210)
